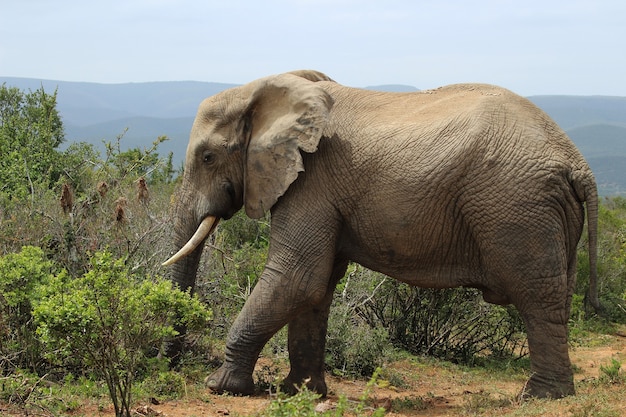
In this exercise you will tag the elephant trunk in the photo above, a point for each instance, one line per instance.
(183, 271)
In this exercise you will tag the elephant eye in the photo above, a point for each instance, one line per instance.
(208, 157)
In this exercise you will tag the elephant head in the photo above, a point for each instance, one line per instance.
(244, 150)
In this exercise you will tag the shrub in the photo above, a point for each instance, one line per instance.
(302, 404)
(111, 319)
(454, 324)
(611, 261)
(167, 385)
(353, 348)
(21, 274)
(31, 130)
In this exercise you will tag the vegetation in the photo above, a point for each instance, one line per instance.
(30, 131)
(82, 236)
(108, 321)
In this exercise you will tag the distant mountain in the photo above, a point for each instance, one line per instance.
(599, 140)
(577, 111)
(597, 125)
(96, 112)
(89, 103)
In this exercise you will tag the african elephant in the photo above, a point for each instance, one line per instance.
(466, 185)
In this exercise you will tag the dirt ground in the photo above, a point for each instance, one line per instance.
(428, 389)
(440, 391)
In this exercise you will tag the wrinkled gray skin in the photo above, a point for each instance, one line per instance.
(466, 185)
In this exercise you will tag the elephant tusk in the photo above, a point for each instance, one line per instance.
(205, 229)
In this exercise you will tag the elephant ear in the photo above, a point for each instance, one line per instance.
(287, 114)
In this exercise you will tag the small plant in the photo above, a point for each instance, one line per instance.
(481, 402)
(302, 405)
(409, 404)
(166, 385)
(361, 406)
(612, 373)
(268, 379)
(26, 392)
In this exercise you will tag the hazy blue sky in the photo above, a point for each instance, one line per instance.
(530, 46)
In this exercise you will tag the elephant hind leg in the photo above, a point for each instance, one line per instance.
(546, 319)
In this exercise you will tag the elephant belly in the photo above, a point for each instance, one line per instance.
(426, 275)
(436, 260)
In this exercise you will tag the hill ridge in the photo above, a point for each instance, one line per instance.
(93, 112)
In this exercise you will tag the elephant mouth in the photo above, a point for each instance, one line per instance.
(206, 227)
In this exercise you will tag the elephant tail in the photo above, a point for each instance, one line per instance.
(586, 188)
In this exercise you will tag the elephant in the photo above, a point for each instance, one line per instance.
(467, 185)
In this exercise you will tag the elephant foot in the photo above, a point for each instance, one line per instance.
(226, 380)
(539, 387)
(292, 384)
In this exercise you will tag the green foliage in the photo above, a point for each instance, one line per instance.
(72, 204)
(353, 348)
(78, 163)
(611, 261)
(80, 203)
(136, 162)
(612, 373)
(303, 404)
(454, 324)
(21, 275)
(41, 395)
(30, 133)
(165, 385)
(109, 320)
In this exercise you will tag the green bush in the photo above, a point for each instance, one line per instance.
(165, 385)
(31, 130)
(611, 262)
(111, 319)
(453, 324)
(353, 348)
(21, 275)
(304, 403)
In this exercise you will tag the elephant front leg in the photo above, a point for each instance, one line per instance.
(307, 342)
(260, 318)
(276, 299)
(243, 346)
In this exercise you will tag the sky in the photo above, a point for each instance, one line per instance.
(532, 47)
